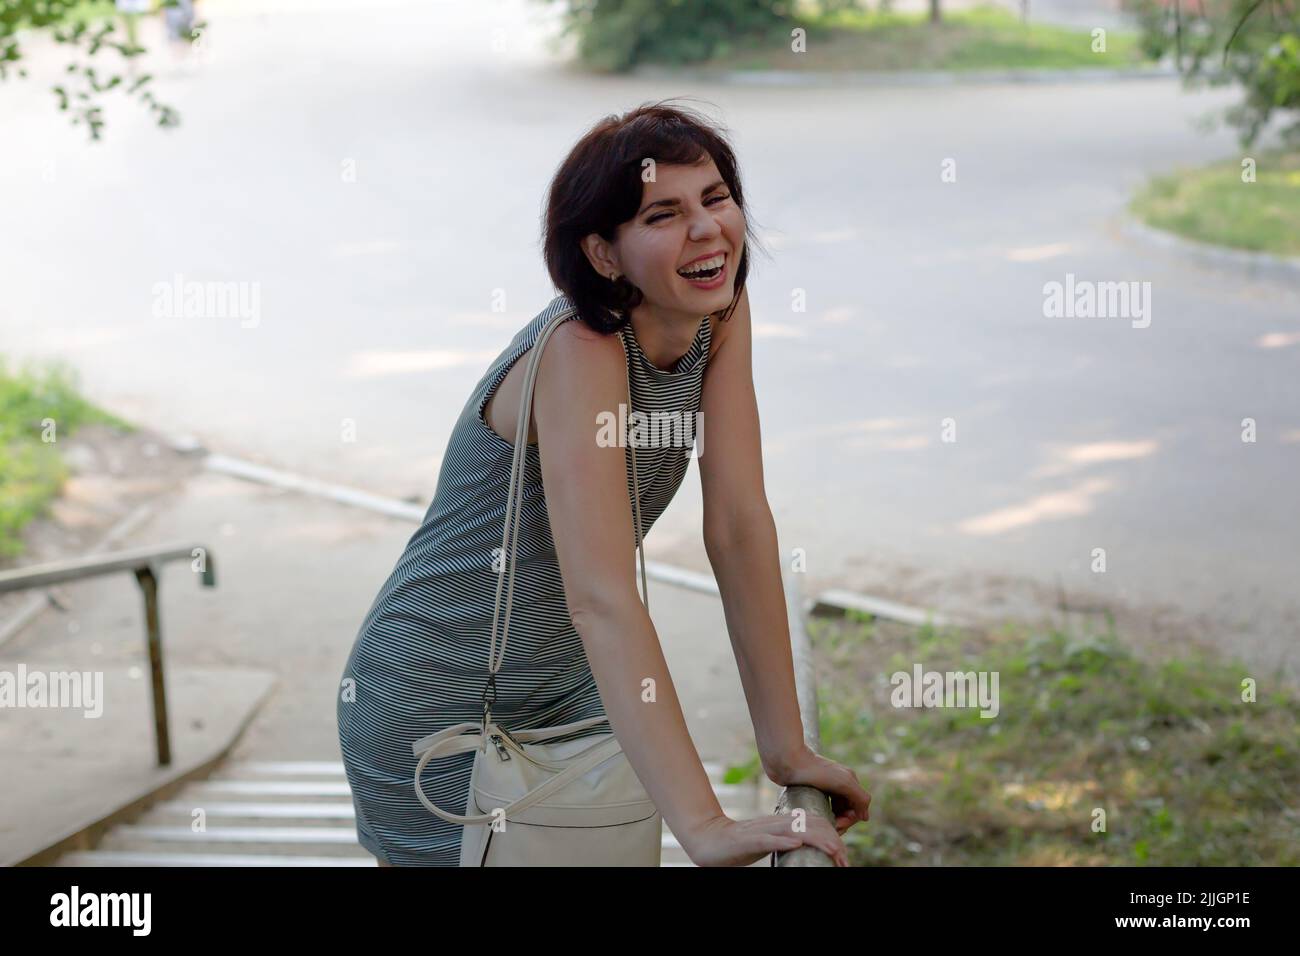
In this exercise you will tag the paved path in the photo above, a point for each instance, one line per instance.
(924, 299)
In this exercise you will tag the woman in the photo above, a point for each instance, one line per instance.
(638, 199)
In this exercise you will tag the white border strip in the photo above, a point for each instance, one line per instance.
(239, 468)
(683, 578)
(840, 601)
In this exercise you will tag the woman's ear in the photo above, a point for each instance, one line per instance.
(601, 255)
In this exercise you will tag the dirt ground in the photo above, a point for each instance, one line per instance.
(113, 474)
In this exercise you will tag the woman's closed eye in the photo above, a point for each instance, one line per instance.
(664, 215)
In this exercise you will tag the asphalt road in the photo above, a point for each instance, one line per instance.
(373, 181)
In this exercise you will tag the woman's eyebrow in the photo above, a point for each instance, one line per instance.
(677, 202)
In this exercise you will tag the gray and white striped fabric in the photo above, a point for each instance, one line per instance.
(420, 660)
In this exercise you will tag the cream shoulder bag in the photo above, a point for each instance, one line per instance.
(574, 803)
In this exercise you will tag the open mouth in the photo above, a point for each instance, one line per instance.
(708, 275)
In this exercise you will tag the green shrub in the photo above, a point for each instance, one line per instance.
(616, 35)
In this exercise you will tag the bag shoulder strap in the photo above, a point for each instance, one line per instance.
(514, 496)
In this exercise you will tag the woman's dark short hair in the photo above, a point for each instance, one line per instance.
(598, 187)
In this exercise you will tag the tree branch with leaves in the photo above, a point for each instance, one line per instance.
(1254, 43)
(87, 79)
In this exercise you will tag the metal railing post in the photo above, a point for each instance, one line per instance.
(153, 646)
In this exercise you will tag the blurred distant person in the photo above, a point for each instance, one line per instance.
(179, 18)
(182, 37)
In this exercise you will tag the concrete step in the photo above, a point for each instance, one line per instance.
(270, 789)
(318, 841)
(288, 813)
(239, 769)
(242, 813)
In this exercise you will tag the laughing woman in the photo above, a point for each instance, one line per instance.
(646, 239)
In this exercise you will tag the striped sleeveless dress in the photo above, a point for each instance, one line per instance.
(420, 660)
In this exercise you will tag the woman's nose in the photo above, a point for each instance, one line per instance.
(704, 225)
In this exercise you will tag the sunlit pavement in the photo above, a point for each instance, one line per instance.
(370, 175)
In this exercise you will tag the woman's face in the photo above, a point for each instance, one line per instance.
(686, 213)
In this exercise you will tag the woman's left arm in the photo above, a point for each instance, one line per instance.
(740, 539)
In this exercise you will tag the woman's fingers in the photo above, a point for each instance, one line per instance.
(853, 799)
(820, 833)
(848, 813)
(838, 850)
(851, 802)
(823, 836)
(785, 844)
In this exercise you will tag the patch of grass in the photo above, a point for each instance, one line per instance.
(37, 408)
(747, 772)
(985, 38)
(1214, 205)
(1187, 774)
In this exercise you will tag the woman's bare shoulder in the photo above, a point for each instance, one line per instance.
(576, 345)
(571, 362)
(580, 369)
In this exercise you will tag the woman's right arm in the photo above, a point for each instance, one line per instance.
(581, 374)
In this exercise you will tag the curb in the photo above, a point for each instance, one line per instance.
(840, 602)
(850, 78)
(238, 468)
(1254, 264)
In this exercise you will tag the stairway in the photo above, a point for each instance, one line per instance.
(263, 813)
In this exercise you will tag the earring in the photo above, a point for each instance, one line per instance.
(613, 277)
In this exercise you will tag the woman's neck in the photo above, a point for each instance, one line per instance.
(664, 337)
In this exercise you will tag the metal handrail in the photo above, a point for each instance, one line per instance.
(143, 562)
(810, 800)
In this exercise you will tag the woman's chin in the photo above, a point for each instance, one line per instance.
(709, 299)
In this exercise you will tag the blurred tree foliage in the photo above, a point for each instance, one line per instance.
(80, 91)
(616, 35)
(1255, 43)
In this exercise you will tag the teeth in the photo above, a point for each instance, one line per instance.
(704, 265)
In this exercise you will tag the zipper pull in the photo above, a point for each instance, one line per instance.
(501, 750)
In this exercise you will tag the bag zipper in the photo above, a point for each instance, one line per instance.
(497, 741)
(504, 748)
(501, 750)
